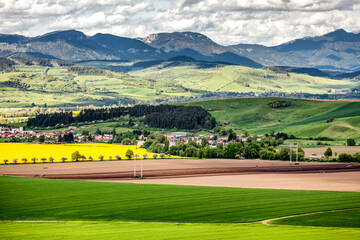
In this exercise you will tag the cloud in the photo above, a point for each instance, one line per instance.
(268, 22)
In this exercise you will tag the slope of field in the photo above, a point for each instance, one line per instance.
(346, 218)
(169, 231)
(64, 86)
(241, 79)
(44, 199)
(303, 118)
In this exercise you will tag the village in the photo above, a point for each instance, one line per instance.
(21, 135)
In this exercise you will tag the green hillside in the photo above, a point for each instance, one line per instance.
(303, 118)
(76, 85)
(217, 77)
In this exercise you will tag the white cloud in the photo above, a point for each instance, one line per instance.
(267, 22)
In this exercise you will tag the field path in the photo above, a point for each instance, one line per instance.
(265, 222)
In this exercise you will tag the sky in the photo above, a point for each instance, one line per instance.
(227, 22)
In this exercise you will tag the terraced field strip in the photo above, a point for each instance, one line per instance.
(47, 199)
(158, 231)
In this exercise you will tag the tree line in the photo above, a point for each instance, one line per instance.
(160, 116)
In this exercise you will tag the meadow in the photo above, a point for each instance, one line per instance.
(241, 79)
(10, 151)
(87, 210)
(303, 118)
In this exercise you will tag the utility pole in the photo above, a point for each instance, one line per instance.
(135, 165)
(141, 166)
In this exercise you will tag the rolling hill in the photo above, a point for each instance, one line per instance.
(303, 118)
(220, 77)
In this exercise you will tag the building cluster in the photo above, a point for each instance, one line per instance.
(213, 139)
(20, 133)
(53, 137)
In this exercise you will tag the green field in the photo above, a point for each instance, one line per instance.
(159, 231)
(346, 218)
(303, 118)
(241, 79)
(87, 210)
(58, 87)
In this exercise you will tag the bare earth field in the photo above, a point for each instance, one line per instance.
(319, 151)
(206, 172)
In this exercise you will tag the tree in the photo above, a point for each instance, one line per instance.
(344, 157)
(162, 155)
(144, 156)
(41, 138)
(43, 159)
(155, 155)
(75, 156)
(34, 159)
(24, 160)
(284, 153)
(232, 149)
(204, 142)
(200, 153)
(129, 153)
(328, 153)
(63, 159)
(136, 156)
(101, 157)
(117, 157)
(14, 161)
(350, 142)
(5, 161)
(90, 158)
(110, 157)
(51, 159)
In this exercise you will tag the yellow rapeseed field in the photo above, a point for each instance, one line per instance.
(10, 151)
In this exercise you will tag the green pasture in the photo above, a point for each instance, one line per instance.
(43, 199)
(304, 118)
(346, 218)
(169, 231)
(65, 209)
(241, 79)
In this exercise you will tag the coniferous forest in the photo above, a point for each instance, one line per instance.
(161, 116)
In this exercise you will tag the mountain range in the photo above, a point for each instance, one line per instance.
(338, 50)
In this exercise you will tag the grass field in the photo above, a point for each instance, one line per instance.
(347, 218)
(156, 231)
(43, 199)
(304, 118)
(10, 151)
(93, 210)
(60, 87)
(241, 79)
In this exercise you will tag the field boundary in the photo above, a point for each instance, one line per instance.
(264, 222)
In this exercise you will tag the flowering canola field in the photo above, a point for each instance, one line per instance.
(10, 151)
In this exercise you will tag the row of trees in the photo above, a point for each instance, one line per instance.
(161, 116)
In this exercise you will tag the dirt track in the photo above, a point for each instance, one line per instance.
(207, 172)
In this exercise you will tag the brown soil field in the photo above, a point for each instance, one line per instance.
(319, 151)
(204, 172)
(333, 181)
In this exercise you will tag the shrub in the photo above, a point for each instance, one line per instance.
(345, 157)
(101, 157)
(117, 157)
(155, 155)
(129, 153)
(350, 142)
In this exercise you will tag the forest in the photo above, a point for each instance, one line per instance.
(160, 116)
